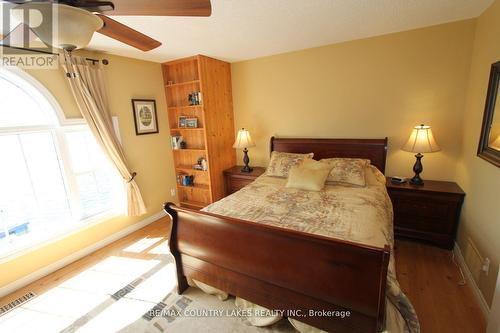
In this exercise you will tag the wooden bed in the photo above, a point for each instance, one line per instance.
(283, 269)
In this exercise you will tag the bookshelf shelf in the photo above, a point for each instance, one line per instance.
(193, 204)
(189, 168)
(186, 129)
(189, 150)
(202, 187)
(175, 85)
(186, 107)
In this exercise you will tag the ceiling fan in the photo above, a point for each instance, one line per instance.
(79, 19)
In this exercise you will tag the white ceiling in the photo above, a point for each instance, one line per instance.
(246, 29)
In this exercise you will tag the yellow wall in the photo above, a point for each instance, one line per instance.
(149, 155)
(368, 88)
(480, 179)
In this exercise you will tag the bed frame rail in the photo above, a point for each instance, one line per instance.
(282, 269)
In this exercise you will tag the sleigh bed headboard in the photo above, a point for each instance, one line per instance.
(373, 149)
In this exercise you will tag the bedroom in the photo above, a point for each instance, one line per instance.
(319, 70)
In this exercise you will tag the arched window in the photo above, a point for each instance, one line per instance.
(53, 176)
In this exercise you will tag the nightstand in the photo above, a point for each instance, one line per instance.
(429, 212)
(235, 179)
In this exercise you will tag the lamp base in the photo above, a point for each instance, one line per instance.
(246, 160)
(246, 169)
(417, 168)
(416, 180)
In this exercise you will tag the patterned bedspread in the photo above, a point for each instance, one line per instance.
(362, 215)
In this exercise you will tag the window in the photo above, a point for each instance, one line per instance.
(53, 176)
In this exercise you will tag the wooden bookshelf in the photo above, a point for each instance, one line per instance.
(214, 136)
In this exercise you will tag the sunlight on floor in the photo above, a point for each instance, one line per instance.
(117, 316)
(129, 267)
(24, 321)
(150, 289)
(106, 297)
(161, 249)
(143, 244)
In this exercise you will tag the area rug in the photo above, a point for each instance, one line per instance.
(129, 292)
(193, 311)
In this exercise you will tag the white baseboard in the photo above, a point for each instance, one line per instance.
(24, 281)
(470, 280)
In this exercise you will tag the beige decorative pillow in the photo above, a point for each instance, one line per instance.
(307, 179)
(281, 163)
(350, 171)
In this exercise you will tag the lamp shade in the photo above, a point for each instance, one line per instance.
(243, 140)
(421, 141)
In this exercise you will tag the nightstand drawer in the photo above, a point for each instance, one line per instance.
(236, 184)
(433, 214)
(422, 208)
(236, 180)
(429, 212)
(435, 225)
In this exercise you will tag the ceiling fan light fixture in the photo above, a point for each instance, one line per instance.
(75, 26)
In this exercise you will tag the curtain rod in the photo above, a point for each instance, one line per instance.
(94, 61)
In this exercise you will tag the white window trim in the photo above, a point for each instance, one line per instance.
(61, 234)
(16, 73)
(61, 125)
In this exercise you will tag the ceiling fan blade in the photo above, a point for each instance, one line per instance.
(162, 8)
(137, 8)
(126, 35)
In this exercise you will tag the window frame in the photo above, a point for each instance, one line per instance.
(59, 126)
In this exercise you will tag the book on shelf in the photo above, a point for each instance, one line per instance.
(185, 179)
(178, 142)
(195, 98)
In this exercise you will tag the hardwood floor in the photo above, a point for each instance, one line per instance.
(158, 231)
(426, 274)
(430, 279)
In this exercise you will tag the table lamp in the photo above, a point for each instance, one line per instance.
(421, 141)
(244, 141)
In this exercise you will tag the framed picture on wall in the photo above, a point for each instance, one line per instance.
(145, 119)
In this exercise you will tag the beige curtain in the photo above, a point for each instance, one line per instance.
(87, 85)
